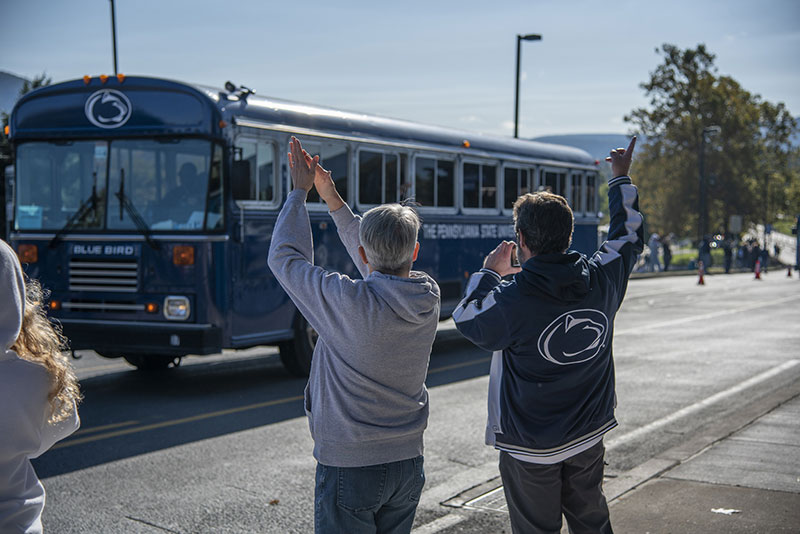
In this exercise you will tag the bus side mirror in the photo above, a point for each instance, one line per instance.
(240, 180)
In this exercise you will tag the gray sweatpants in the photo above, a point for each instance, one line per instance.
(537, 494)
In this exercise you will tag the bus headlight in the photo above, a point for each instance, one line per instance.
(176, 308)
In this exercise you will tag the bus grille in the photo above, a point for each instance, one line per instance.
(103, 275)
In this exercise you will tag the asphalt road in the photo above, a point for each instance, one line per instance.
(220, 444)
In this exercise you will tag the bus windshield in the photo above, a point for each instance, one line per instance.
(171, 184)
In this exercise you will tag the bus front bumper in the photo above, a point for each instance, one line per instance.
(117, 338)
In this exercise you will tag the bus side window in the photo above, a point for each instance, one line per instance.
(254, 176)
(396, 188)
(434, 182)
(513, 185)
(265, 161)
(480, 186)
(445, 184)
(380, 178)
(489, 186)
(370, 177)
(576, 193)
(333, 157)
(591, 194)
(554, 182)
(244, 171)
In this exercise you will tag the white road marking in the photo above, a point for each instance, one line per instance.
(696, 407)
(702, 317)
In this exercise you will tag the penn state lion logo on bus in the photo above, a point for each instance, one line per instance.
(574, 337)
(108, 108)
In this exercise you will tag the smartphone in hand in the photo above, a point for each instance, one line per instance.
(515, 257)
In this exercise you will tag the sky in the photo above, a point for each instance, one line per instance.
(437, 61)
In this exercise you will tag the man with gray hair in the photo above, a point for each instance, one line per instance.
(366, 400)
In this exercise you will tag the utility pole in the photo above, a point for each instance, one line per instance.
(702, 224)
(114, 36)
(520, 38)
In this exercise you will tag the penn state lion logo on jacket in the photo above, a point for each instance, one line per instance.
(574, 337)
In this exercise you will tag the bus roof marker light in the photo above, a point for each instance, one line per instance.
(103, 78)
(465, 143)
(86, 79)
(120, 78)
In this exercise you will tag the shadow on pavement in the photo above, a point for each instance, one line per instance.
(129, 413)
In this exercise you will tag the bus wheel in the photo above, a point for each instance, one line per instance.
(296, 353)
(152, 362)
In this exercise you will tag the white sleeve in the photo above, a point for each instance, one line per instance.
(54, 432)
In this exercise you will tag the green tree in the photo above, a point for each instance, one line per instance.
(6, 155)
(27, 86)
(750, 165)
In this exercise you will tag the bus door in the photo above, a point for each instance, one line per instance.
(261, 310)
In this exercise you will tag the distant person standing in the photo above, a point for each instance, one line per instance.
(727, 249)
(652, 260)
(705, 252)
(38, 395)
(764, 259)
(667, 247)
(755, 255)
(551, 385)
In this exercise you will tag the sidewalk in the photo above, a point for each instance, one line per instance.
(748, 482)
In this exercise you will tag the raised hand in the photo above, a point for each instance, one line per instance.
(302, 167)
(323, 181)
(620, 159)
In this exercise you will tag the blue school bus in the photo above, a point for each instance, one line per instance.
(146, 207)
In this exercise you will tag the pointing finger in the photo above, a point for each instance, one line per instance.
(631, 145)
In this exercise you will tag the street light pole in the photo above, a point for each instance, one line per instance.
(114, 35)
(520, 38)
(703, 208)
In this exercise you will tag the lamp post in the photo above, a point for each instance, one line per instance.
(520, 38)
(114, 36)
(703, 209)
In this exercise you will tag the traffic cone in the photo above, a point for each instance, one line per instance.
(758, 270)
(701, 271)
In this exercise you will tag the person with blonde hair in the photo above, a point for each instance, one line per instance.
(38, 395)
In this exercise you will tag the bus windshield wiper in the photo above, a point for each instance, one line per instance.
(88, 206)
(133, 213)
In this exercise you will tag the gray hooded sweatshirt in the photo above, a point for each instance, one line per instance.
(366, 399)
(24, 411)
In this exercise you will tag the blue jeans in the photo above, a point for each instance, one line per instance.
(374, 499)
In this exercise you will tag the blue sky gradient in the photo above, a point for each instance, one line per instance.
(440, 62)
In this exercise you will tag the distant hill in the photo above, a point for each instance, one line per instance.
(10, 86)
(597, 145)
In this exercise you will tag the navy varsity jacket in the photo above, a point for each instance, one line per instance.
(551, 385)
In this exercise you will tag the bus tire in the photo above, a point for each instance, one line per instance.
(296, 353)
(152, 362)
